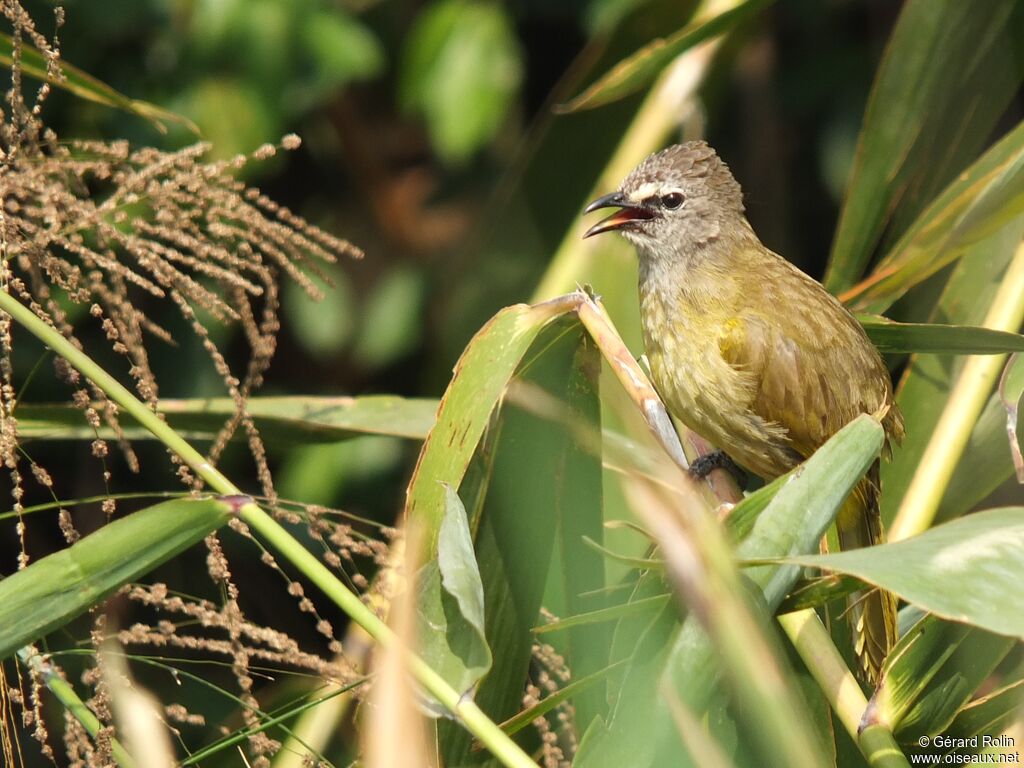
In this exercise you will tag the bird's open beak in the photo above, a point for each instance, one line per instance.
(619, 219)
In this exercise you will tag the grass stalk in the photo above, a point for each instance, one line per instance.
(819, 653)
(71, 701)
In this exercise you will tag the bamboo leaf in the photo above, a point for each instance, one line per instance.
(978, 202)
(506, 436)
(890, 336)
(946, 76)
(53, 590)
(545, 705)
(989, 714)
(647, 605)
(450, 606)
(931, 673)
(952, 570)
(300, 418)
(481, 377)
(642, 67)
(85, 86)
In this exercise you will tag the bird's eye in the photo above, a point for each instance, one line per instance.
(672, 200)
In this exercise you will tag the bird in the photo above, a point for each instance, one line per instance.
(750, 352)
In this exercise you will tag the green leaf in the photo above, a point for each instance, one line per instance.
(528, 475)
(300, 419)
(647, 605)
(931, 673)
(890, 336)
(967, 570)
(802, 508)
(989, 714)
(450, 605)
(481, 376)
(461, 69)
(805, 505)
(510, 435)
(85, 86)
(924, 389)
(341, 48)
(946, 76)
(545, 705)
(50, 592)
(642, 67)
(978, 202)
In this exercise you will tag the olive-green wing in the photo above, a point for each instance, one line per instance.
(810, 366)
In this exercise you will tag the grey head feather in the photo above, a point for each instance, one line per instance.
(711, 197)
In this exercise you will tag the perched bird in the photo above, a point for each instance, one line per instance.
(747, 350)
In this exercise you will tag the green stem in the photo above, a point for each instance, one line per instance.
(472, 717)
(812, 642)
(880, 748)
(966, 401)
(67, 696)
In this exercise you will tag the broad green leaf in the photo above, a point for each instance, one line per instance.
(450, 605)
(481, 376)
(946, 76)
(522, 479)
(890, 336)
(293, 418)
(642, 67)
(461, 69)
(931, 673)
(805, 505)
(577, 572)
(85, 86)
(977, 203)
(55, 589)
(520, 473)
(989, 714)
(967, 570)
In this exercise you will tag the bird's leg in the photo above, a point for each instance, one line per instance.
(702, 466)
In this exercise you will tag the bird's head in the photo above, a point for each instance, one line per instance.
(677, 199)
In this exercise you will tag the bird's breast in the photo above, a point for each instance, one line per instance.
(682, 331)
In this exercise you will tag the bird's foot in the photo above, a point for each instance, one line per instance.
(702, 466)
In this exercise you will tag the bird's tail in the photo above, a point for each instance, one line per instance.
(872, 613)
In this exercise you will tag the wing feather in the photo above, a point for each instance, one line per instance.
(810, 366)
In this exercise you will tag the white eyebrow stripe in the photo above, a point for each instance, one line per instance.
(650, 189)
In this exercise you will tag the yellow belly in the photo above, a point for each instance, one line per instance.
(707, 394)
